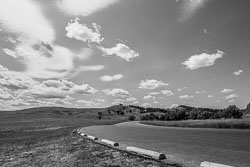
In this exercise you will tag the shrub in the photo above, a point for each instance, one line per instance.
(131, 118)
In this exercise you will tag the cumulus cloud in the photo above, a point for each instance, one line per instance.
(198, 92)
(20, 90)
(26, 86)
(100, 100)
(27, 19)
(148, 97)
(181, 89)
(131, 99)
(87, 103)
(231, 96)
(174, 105)
(227, 90)
(189, 8)
(83, 33)
(107, 78)
(151, 84)
(4, 95)
(117, 92)
(202, 60)
(83, 7)
(154, 93)
(238, 72)
(186, 97)
(122, 51)
(2, 68)
(10, 39)
(35, 47)
(167, 92)
(15, 80)
(209, 96)
(135, 102)
(146, 105)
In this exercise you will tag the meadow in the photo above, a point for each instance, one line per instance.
(43, 137)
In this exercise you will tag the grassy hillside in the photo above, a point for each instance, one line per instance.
(43, 137)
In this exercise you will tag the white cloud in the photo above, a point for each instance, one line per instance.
(209, 96)
(189, 8)
(231, 96)
(227, 90)
(50, 89)
(27, 19)
(186, 97)
(167, 92)
(135, 102)
(100, 100)
(230, 101)
(156, 102)
(146, 105)
(198, 92)
(35, 47)
(117, 92)
(91, 68)
(10, 52)
(83, 7)
(238, 72)
(10, 39)
(2, 68)
(83, 33)
(87, 103)
(154, 93)
(45, 61)
(15, 80)
(4, 95)
(107, 78)
(148, 97)
(122, 51)
(181, 89)
(131, 99)
(174, 105)
(202, 60)
(26, 86)
(151, 84)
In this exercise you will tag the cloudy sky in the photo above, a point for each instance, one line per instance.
(96, 53)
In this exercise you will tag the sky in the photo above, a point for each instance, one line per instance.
(98, 53)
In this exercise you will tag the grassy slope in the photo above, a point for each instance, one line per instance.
(42, 137)
(222, 123)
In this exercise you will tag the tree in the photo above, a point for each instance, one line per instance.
(232, 111)
(131, 118)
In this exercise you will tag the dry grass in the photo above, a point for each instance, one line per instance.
(44, 138)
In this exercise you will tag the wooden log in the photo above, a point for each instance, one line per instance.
(211, 164)
(109, 142)
(152, 154)
(83, 134)
(92, 137)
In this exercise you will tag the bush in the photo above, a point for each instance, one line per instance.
(131, 118)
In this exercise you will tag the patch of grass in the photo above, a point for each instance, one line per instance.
(220, 123)
(43, 137)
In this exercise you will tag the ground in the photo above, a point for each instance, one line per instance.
(45, 138)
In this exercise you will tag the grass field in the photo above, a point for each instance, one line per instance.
(221, 123)
(43, 137)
